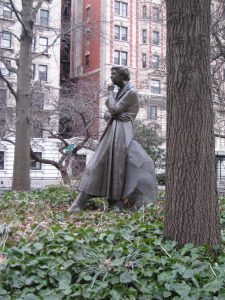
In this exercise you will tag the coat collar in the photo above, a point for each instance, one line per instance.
(127, 87)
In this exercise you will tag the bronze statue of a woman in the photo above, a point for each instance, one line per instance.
(120, 168)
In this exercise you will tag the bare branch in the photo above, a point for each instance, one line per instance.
(37, 7)
(8, 85)
(15, 10)
(44, 161)
(8, 66)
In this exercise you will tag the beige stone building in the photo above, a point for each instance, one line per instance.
(45, 72)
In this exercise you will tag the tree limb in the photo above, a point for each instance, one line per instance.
(8, 85)
(37, 7)
(17, 14)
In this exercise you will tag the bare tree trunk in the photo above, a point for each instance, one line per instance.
(191, 211)
(21, 171)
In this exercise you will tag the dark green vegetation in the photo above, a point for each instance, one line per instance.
(48, 255)
(151, 142)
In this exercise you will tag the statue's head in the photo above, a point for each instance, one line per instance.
(122, 71)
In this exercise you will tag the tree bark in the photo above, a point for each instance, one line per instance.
(191, 210)
(21, 170)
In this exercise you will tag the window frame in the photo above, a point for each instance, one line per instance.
(124, 4)
(144, 36)
(114, 57)
(39, 72)
(152, 112)
(9, 40)
(155, 14)
(2, 163)
(155, 38)
(87, 61)
(43, 48)
(7, 12)
(117, 8)
(126, 58)
(144, 60)
(124, 35)
(116, 33)
(121, 9)
(42, 20)
(155, 64)
(3, 70)
(155, 90)
(144, 11)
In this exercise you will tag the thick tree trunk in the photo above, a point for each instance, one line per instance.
(191, 211)
(21, 171)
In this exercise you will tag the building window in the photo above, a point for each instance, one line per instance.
(3, 94)
(152, 112)
(88, 34)
(155, 38)
(124, 58)
(117, 7)
(120, 8)
(116, 32)
(44, 17)
(144, 36)
(88, 11)
(33, 67)
(124, 9)
(155, 86)
(223, 74)
(124, 33)
(120, 58)
(35, 165)
(220, 167)
(6, 40)
(144, 60)
(116, 57)
(5, 71)
(33, 46)
(155, 14)
(87, 61)
(120, 33)
(144, 11)
(2, 154)
(7, 11)
(43, 72)
(43, 44)
(155, 61)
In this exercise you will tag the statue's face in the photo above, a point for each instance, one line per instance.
(116, 77)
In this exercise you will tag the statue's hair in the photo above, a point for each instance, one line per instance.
(123, 71)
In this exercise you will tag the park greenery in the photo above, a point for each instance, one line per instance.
(47, 254)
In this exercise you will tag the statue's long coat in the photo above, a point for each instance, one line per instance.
(119, 165)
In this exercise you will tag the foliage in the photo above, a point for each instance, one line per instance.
(99, 255)
(151, 142)
(161, 178)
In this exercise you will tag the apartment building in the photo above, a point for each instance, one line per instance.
(45, 72)
(129, 33)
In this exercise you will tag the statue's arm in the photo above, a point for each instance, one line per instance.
(124, 104)
(107, 116)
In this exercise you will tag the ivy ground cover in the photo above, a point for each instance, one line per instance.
(47, 255)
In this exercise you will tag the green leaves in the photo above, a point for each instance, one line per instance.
(106, 256)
